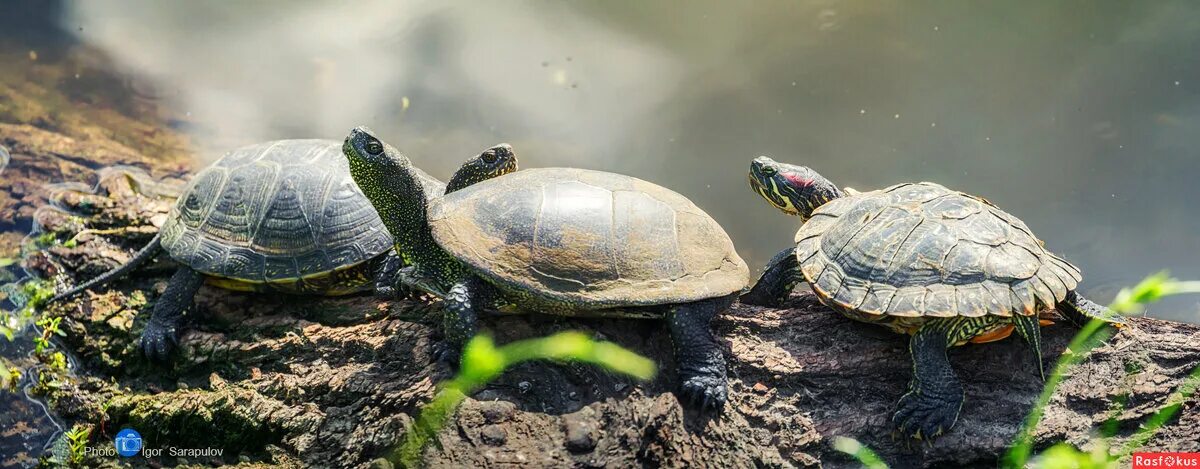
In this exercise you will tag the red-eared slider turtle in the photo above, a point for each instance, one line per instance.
(944, 266)
(571, 242)
(282, 216)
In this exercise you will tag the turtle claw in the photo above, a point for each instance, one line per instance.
(385, 292)
(705, 392)
(158, 340)
(409, 277)
(923, 418)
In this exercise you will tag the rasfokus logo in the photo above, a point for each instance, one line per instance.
(128, 442)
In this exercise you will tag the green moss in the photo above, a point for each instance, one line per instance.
(29, 296)
(45, 240)
(229, 418)
(9, 376)
(37, 292)
(136, 300)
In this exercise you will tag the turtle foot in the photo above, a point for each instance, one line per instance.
(414, 281)
(704, 392)
(158, 340)
(761, 298)
(922, 417)
(386, 293)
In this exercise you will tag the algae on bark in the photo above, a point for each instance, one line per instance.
(336, 381)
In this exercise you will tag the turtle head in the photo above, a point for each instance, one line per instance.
(495, 161)
(370, 155)
(394, 187)
(796, 190)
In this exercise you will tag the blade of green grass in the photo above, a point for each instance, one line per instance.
(1128, 301)
(860, 452)
(482, 362)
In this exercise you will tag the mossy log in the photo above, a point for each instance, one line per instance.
(335, 382)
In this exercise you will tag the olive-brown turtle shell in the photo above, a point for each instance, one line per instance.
(922, 250)
(588, 239)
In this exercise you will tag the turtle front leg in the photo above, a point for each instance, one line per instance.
(463, 303)
(777, 281)
(387, 276)
(1080, 310)
(935, 395)
(416, 281)
(161, 334)
(702, 372)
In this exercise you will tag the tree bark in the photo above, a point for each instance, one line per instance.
(335, 382)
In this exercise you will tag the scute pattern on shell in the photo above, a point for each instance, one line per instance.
(275, 211)
(922, 250)
(588, 239)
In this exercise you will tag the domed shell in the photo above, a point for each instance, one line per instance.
(275, 211)
(590, 239)
(921, 249)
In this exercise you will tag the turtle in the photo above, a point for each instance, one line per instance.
(281, 216)
(942, 266)
(563, 241)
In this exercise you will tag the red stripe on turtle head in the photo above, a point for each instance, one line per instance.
(797, 179)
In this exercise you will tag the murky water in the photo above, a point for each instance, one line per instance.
(1080, 117)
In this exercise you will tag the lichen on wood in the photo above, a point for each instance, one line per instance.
(336, 381)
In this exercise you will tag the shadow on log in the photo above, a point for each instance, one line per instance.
(330, 382)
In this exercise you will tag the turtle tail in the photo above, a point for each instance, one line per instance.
(1080, 310)
(141, 257)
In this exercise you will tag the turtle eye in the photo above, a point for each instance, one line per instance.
(768, 171)
(488, 157)
(374, 147)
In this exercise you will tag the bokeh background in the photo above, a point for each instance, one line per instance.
(1080, 117)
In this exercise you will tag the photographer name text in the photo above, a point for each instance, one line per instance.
(172, 451)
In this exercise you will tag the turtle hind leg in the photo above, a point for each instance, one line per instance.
(161, 334)
(777, 281)
(1030, 329)
(463, 302)
(935, 395)
(702, 371)
(1080, 310)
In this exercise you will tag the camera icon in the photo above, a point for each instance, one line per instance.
(128, 442)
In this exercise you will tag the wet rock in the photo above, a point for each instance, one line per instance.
(494, 435)
(579, 433)
(497, 411)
